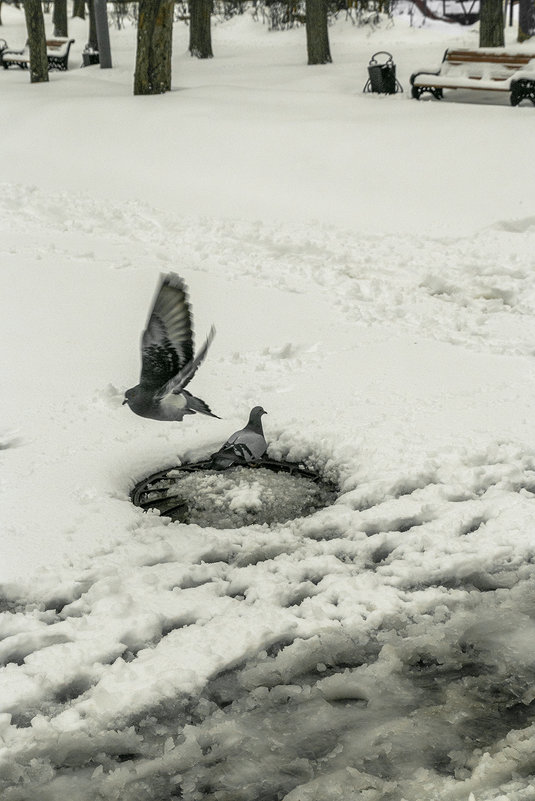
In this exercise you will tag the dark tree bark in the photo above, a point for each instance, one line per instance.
(92, 41)
(318, 49)
(154, 47)
(78, 9)
(526, 19)
(491, 24)
(103, 34)
(200, 33)
(59, 18)
(35, 25)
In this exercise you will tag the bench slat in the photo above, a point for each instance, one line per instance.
(507, 59)
(488, 86)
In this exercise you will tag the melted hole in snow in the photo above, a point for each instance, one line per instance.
(236, 497)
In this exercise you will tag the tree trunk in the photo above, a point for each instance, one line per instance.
(59, 18)
(35, 25)
(92, 41)
(200, 34)
(103, 34)
(491, 24)
(526, 19)
(317, 32)
(78, 9)
(154, 47)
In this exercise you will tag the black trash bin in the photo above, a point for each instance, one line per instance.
(90, 56)
(382, 74)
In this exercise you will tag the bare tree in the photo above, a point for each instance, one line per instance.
(154, 47)
(200, 34)
(92, 42)
(59, 18)
(35, 25)
(526, 19)
(78, 8)
(317, 32)
(491, 24)
(103, 33)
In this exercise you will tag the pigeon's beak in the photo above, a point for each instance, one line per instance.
(123, 403)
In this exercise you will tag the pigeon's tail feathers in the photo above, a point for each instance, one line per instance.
(222, 460)
(226, 456)
(182, 379)
(197, 405)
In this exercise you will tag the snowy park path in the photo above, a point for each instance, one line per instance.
(368, 263)
(380, 648)
(385, 643)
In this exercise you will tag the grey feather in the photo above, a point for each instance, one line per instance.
(246, 445)
(182, 379)
(167, 357)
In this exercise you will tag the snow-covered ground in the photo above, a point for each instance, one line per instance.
(368, 263)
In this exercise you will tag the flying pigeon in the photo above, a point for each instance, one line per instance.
(167, 360)
(246, 445)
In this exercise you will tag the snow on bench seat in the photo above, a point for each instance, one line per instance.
(493, 70)
(57, 53)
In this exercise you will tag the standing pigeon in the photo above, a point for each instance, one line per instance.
(246, 445)
(167, 360)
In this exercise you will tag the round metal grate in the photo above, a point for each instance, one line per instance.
(267, 491)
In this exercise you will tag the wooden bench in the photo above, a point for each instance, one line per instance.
(490, 70)
(57, 53)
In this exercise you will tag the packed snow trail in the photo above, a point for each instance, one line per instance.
(383, 644)
(380, 648)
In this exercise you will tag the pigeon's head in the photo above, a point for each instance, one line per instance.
(256, 414)
(130, 396)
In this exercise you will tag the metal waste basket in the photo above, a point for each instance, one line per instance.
(382, 75)
(90, 56)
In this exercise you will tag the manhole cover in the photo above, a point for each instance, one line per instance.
(268, 492)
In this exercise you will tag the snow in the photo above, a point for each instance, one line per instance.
(236, 497)
(464, 73)
(368, 264)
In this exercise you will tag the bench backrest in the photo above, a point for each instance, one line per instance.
(509, 60)
(58, 44)
(484, 64)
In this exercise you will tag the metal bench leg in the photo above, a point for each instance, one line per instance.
(522, 90)
(417, 92)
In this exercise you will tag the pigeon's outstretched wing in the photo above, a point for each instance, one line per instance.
(178, 382)
(167, 342)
